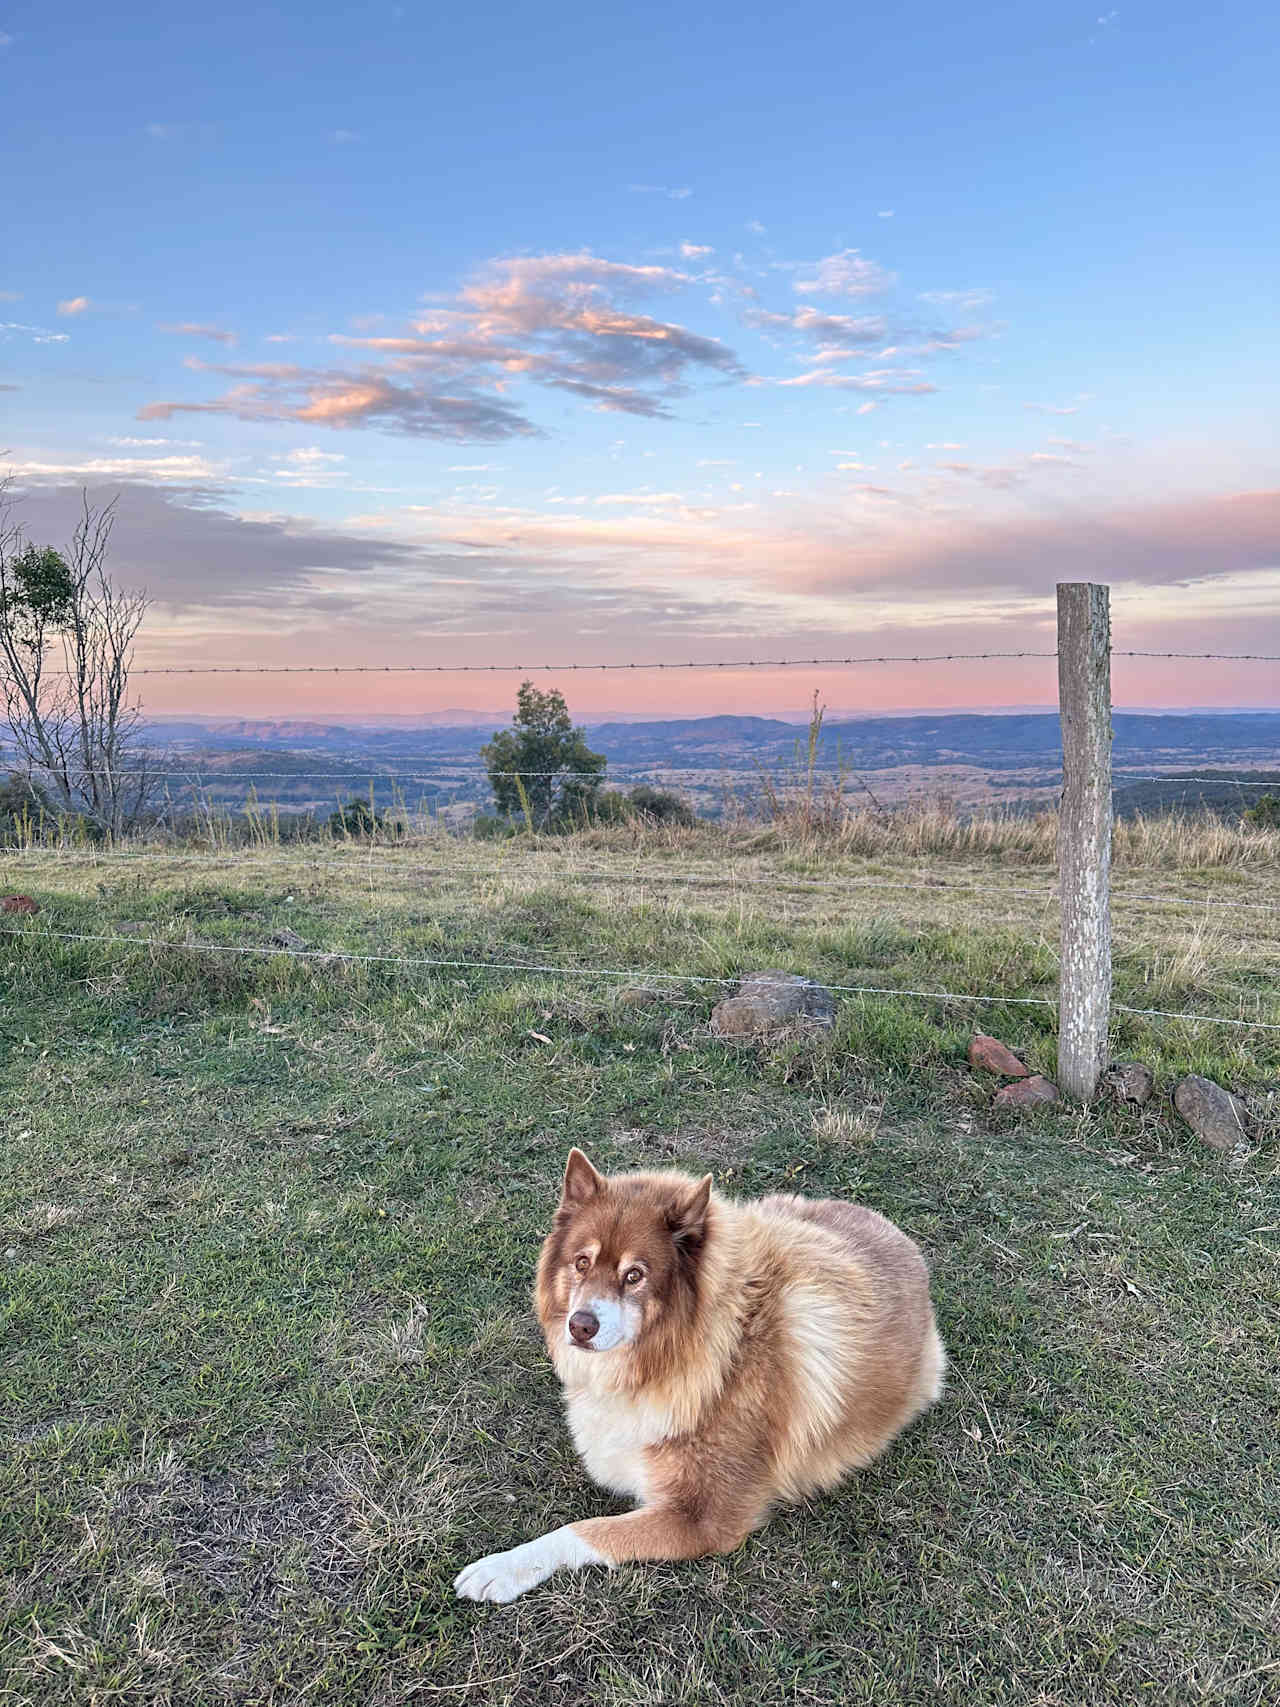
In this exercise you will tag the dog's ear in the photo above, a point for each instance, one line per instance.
(687, 1213)
(581, 1181)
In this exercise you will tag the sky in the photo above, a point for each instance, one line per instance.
(503, 334)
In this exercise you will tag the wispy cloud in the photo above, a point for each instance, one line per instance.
(563, 321)
(339, 398)
(343, 137)
(37, 334)
(165, 470)
(841, 331)
(845, 274)
(894, 381)
(129, 442)
(73, 305)
(10, 296)
(309, 466)
(999, 479)
(963, 299)
(695, 251)
(679, 194)
(1053, 408)
(193, 329)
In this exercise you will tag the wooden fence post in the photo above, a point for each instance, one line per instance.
(1084, 834)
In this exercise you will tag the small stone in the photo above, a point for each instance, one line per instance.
(1130, 1081)
(637, 996)
(1217, 1118)
(19, 904)
(766, 1002)
(991, 1055)
(1027, 1093)
(285, 938)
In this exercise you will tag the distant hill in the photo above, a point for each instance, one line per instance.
(1013, 757)
(1227, 794)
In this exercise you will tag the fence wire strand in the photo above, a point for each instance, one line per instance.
(631, 974)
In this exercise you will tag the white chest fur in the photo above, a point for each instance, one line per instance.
(611, 1431)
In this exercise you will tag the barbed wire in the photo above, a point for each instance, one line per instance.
(631, 974)
(659, 664)
(566, 669)
(1224, 657)
(663, 664)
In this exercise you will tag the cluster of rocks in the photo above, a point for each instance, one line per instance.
(769, 1004)
(1028, 1089)
(1217, 1118)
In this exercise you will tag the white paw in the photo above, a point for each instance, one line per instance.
(505, 1576)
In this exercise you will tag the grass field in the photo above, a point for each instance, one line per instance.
(268, 1375)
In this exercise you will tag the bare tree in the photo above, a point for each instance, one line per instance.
(66, 646)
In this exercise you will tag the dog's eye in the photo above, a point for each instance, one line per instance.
(582, 1264)
(633, 1277)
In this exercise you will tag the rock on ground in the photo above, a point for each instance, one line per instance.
(1027, 1093)
(1215, 1116)
(285, 938)
(766, 1002)
(990, 1054)
(19, 904)
(1129, 1081)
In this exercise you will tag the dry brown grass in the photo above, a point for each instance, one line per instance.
(935, 829)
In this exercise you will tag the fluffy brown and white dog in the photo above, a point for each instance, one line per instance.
(717, 1358)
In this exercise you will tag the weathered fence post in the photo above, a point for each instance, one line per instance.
(1084, 834)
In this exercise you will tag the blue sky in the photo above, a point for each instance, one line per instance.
(444, 334)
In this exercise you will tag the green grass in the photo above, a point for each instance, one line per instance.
(268, 1376)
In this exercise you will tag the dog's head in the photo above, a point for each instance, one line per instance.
(622, 1256)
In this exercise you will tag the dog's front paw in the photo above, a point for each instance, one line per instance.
(505, 1576)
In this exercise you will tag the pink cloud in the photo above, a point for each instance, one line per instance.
(562, 321)
(1166, 545)
(192, 329)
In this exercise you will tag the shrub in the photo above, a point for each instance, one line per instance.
(660, 805)
(359, 818)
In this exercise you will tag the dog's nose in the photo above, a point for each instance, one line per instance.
(583, 1327)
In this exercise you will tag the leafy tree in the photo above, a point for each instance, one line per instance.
(66, 647)
(541, 769)
(1265, 812)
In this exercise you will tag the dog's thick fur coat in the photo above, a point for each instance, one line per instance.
(717, 1358)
